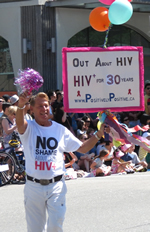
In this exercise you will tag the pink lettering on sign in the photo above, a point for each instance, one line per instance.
(42, 165)
(82, 80)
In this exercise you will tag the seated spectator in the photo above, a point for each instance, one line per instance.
(5, 107)
(138, 164)
(9, 125)
(108, 145)
(126, 148)
(98, 168)
(117, 166)
(70, 162)
(132, 156)
(84, 160)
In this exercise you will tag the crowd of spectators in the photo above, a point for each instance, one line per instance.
(104, 158)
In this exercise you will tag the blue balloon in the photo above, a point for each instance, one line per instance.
(120, 11)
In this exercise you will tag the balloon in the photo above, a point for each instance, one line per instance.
(99, 19)
(120, 12)
(107, 2)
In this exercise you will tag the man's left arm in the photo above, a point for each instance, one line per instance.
(90, 143)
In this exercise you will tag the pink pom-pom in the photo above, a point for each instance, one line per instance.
(28, 80)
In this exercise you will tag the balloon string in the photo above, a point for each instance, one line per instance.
(106, 37)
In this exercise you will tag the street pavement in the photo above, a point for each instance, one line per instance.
(117, 203)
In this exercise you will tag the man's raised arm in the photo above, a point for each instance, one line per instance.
(20, 121)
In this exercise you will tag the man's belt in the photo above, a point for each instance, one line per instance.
(45, 181)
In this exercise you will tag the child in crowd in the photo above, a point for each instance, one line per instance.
(84, 160)
(118, 167)
(138, 166)
(98, 168)
(70, 172)
(127, 157)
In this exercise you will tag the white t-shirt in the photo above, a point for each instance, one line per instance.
(44, 147)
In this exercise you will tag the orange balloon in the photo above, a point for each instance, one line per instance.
(99, 19)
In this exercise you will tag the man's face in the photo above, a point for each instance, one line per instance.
(40, 110)
(147, 90)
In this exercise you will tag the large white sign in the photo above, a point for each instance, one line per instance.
(95, 79)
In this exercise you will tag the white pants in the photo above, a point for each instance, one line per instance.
(38, 198)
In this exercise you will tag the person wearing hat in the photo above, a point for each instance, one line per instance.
(147, 97)
(14, 100)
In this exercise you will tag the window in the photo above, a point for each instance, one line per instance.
(6, 69)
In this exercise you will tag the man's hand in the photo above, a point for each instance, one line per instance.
(103, 128)
(24, 98)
